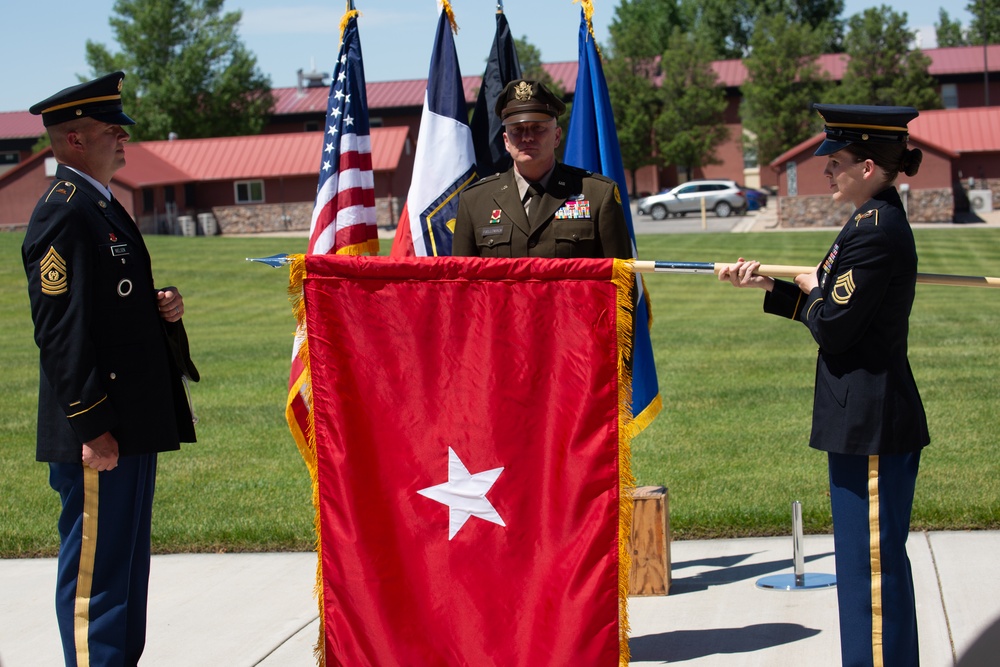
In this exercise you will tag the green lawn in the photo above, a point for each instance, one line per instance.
(730, 443)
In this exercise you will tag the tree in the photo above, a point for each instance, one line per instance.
(882, 69)
(729, 25)
(690, 125)
(783, 79)
(985, 25)
(949, 33)
(638, 32)
(187, 70)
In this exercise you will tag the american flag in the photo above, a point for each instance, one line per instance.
(343, 219)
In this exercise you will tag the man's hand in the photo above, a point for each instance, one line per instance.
(101, 453)
(171, 304)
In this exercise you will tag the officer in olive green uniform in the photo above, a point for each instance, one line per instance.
(539, 207)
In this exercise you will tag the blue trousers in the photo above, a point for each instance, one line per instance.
(103, 566)
(871, 498)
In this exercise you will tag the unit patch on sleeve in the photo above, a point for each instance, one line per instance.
(843, 288)
(54, 276)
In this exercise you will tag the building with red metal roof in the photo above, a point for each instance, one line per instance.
(244, 184)
(961, 161)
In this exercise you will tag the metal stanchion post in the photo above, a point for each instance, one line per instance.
(798, 580)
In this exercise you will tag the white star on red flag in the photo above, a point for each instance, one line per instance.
(465, 494)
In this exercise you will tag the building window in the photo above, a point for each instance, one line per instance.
(8, 159)
(249, 192)
(148, 200)
(312, 126)
(949, 95)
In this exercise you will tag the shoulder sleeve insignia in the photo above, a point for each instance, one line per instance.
(54, 276)
(870, 213)
(843, 288)
(618, 195)
(62, 191)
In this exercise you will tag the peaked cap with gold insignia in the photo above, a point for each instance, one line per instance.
(100, 99)
(522, 101)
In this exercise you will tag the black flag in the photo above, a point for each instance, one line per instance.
(487, 132)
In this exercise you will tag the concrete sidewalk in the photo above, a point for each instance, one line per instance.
(240, 610)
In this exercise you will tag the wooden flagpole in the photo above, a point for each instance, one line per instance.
(788, 271)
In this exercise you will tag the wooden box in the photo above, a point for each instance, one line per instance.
(650, 542)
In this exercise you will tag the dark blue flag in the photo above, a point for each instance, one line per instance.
(592, 143)
(487, 132)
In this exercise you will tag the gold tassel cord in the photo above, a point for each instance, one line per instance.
(446, 8)
(624, 281)
(348, 15)
(588, 14)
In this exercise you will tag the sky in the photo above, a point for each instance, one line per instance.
(46, 51)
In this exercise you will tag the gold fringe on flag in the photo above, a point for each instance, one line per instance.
(348, 15)
(446, 7)
(588, 13)
(306, 442)
(624, 281)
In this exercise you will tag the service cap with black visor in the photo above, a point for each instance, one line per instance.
(847, 124)
(100, 99)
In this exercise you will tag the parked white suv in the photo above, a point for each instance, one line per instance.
(722, 197)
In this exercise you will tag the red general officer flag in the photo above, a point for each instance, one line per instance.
(471, 436)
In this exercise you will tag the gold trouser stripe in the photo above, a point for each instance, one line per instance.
(85, 579)
(875, 552)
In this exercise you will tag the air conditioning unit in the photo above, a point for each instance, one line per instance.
(981, 201)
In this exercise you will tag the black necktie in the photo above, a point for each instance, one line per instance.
(535, 192)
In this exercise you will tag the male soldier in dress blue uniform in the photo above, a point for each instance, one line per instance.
(539, 207)
(113, 363)
(867, 413)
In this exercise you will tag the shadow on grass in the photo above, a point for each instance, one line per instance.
(682, 645)
(728, 571)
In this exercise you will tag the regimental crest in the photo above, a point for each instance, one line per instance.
(843, 288)
(618, 195)
(867, 214)
(62, 191)
(54, 276)
(523, 91)
(495, 217)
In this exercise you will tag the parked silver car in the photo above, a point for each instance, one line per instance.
(721, 196)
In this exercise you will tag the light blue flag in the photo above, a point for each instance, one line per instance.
(592, 144)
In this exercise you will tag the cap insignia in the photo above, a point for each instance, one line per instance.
(523, 91)
(120, 82)
(53, 273)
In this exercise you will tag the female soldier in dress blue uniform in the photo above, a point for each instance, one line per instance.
(867, 413)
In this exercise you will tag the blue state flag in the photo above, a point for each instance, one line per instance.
(592, 143)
